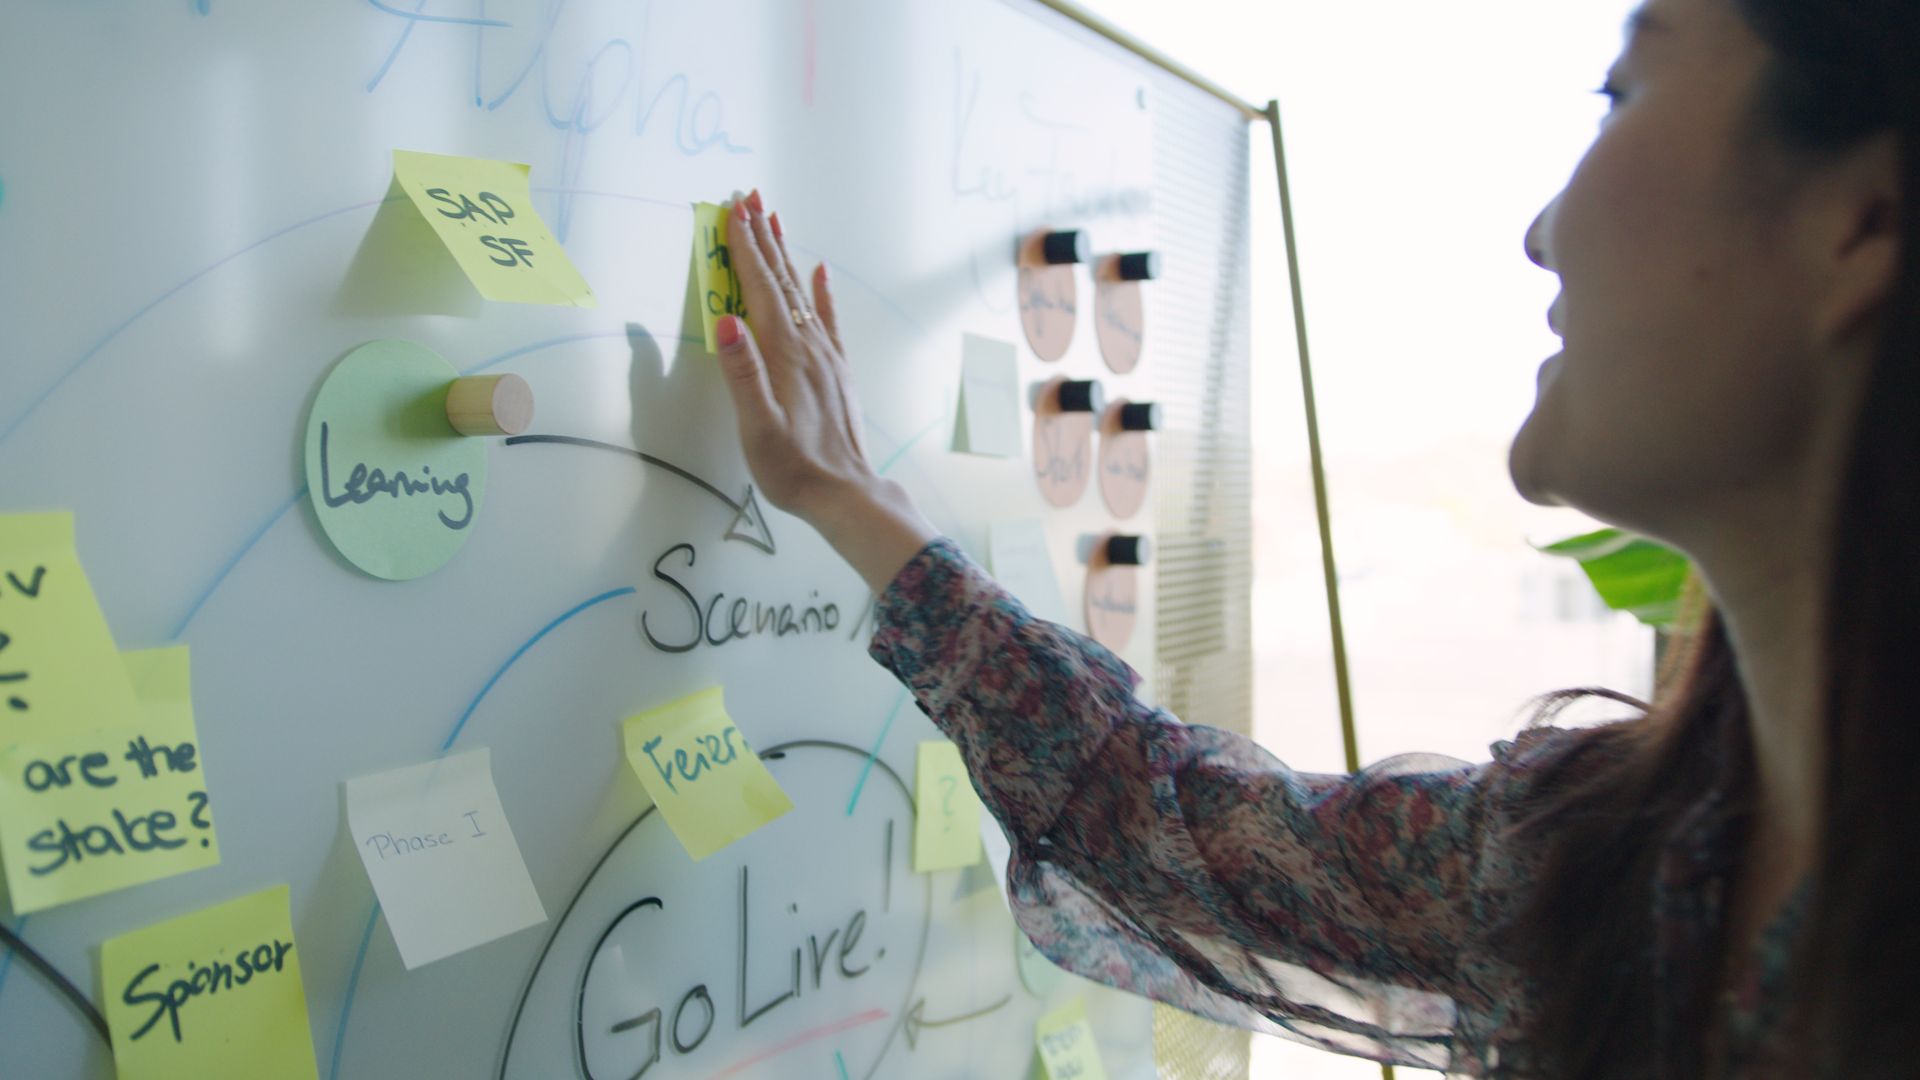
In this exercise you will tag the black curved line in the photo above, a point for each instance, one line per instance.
(570, 440)
(60, 982)
(775, 753)
(580, 999)
(507, 1049)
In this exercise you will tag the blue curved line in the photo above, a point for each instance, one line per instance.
(353, 983)
(235, 561)
(860, 785)
(416, 17)
(908, 445)
(398, 44)
(840, 272)
(521, 651)
(165, 296)
(353, 980)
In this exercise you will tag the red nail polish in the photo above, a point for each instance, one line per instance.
(826, 275)
(778, 233)
(740, 209)
(753, 201)
(728, 331)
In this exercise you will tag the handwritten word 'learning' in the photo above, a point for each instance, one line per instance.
(363, 484)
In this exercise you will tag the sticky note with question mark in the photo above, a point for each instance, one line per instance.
(946, 831)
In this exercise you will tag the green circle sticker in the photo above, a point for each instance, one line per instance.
(394, 485)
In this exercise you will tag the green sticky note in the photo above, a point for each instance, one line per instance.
(59, 671)
(1066, 1044)
(395, 487)
(711, 788)
(106, 808)
(214, 995)
(946, 811)
(714, 280)
(484, 213)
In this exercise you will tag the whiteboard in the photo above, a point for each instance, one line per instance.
(185, 187)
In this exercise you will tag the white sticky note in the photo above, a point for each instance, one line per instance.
(988, 421)
(442, 860)
(1018, 558)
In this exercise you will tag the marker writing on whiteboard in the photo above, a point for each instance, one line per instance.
(31, 592)
(363, 484)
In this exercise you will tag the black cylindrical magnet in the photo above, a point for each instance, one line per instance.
(1129, 550)
(1067, 246)
(1140, 266)
(1140, 416)
(1082, 395)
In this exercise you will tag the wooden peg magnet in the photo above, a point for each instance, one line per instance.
(490, 405)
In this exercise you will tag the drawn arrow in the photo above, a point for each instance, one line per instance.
(749, 524)
(916, 1018)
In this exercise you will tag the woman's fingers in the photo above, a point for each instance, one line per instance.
(771, 254)
(788, 271)
(746, 376)
(765, 299)
(823, 306)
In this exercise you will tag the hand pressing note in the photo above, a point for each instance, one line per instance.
(800, 423)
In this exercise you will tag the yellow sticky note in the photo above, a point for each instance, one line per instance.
(1066, 1044)
(214, 995)
(714, 280)
(711, 788)
(59, 671)
(946, 811)
(105, 808)
(484, 213)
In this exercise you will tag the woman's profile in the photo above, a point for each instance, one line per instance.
(1719, 886)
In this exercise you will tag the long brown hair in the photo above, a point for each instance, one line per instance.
(1841, 71)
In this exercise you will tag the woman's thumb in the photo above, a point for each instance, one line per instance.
(745, 372)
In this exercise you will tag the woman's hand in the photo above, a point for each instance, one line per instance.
(799, 418)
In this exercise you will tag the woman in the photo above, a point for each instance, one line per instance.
(1716, 888)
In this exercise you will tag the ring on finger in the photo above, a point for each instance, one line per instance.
(801, 316)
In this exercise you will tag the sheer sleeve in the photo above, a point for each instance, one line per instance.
(1188, 865)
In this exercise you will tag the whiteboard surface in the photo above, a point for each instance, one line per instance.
(186, 187)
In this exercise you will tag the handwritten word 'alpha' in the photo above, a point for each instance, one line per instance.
(742, 619)
(211, 978)
(363, 484)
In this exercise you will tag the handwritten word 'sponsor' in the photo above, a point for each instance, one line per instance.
(482, 211)
(436, 846)
(716, 286)
(59, 671)
(107, 808)
(395, 487)
(214, 995)
(708, 784)
(946, 830)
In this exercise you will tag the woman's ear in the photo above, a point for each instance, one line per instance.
(1850, 237)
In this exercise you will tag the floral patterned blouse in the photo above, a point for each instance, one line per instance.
(1187, 865)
